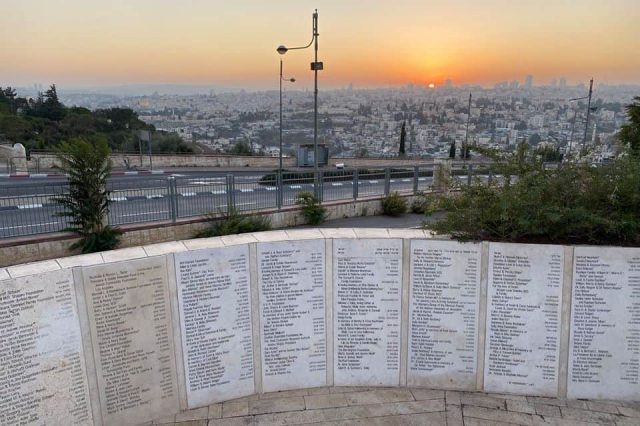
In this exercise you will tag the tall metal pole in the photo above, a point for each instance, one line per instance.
(573, 126)
(280, 151)
(150, 156)
(586, 125)
(466, 135)
(315, 96)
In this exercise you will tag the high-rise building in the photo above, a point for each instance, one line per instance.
(448, 83)
(563, 82)
(528, 82)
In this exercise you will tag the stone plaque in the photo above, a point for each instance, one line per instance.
(130, 323)
(367, 277)
(443, 314)
(523, 319)
(292, 314)
(215, 323)
(43, 378)
(604, 350)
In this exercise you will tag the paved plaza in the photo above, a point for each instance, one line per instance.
(400, 406)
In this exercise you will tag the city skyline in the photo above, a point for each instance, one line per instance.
(370, 44)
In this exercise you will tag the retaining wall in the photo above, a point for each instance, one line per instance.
(46, 161)
(122, 337)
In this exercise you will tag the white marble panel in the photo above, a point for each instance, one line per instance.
(291, 281)
(43, 377)
(367, 280)
(522, 347)
(215, 321)
(80, 260)
(604, 350)
(443, 314)
(130, 324)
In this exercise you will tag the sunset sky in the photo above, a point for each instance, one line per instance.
(83, 43)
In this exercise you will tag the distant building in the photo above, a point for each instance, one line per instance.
(528, 82)
(563, 82)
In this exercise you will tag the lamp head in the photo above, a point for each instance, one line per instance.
(293, 80)
(282, 49)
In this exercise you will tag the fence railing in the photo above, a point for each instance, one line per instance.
(30, 208)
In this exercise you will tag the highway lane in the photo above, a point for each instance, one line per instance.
(200, 196)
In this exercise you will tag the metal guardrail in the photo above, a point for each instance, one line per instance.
(30, 208)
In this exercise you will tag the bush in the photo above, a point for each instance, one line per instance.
(426, 204)
(394, 205)
(576, 203)
(234, 223)
(86, 204)
(312, 209)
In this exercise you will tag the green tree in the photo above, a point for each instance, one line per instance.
(403, 136)
(241, 148)
(630, 133)
(51, 107)
(452, 150)
(87, 166)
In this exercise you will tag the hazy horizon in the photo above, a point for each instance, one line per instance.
(87, 45)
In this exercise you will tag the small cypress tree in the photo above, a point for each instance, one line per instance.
(452, 150)
(87, 166)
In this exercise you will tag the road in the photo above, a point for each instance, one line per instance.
(34, 211)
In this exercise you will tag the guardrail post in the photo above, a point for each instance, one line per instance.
(416, 176)
(279, 189)
(231, 202)
(355, 184)
(387, 181)
(320, 185)
(469, 174)
(173, 198)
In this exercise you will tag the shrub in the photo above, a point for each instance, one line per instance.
(394, 205)
(87, 166)
(576, 203)
(312, 209)
(426, 204)
(234, 223)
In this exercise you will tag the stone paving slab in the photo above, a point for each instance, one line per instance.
(337, 406)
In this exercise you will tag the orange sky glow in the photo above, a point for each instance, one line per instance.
(80, 43)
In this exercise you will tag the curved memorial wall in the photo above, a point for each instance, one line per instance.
(123, 337)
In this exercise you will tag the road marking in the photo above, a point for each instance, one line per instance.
(422, 179)
(117, 198)
(271, 188)
(29, 206)
(29, 226)
(336, 184)
(373, 181)
(143, 214)
(295, 186)
(149, 197)
(188, 194)
(406, 180)
(246, 189)
(219, 191)
(392, 180)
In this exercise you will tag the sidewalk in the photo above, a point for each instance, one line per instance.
(405, 406)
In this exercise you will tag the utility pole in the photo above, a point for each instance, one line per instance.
(586, 125)
(466, 135)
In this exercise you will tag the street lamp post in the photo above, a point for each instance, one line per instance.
(315, 67)
(292, 80)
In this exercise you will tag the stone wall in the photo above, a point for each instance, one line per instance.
(45, 161)
(122, 337)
